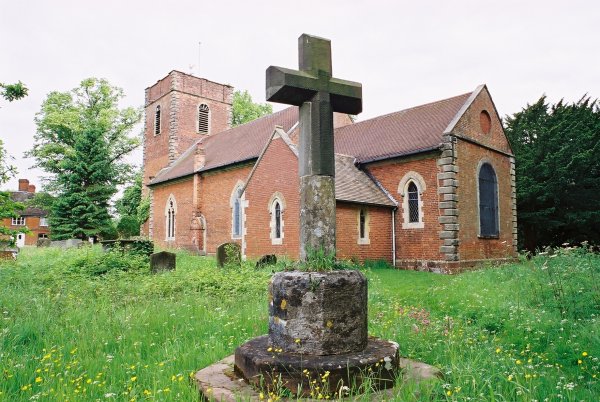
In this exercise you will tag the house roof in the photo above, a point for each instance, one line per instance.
(409, 131)
(23, 197)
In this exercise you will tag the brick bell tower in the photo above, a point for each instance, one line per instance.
(180, 109)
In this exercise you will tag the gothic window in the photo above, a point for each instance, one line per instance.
(157, 120)
(20, 221)
(277, 211)
(236, 211)
(413, 203)
(411, 189)
(488, 201)
(276, 208)
(363, 226)
(170, 213)
(203, 119)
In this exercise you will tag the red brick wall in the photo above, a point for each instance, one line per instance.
(214, 194)
(471, 247)
(33, 224)
(421, 243)
(379, 221)
(182, 192)
(276, 172)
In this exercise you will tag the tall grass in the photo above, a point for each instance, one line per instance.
(525, 331)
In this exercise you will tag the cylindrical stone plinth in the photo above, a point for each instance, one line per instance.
(318, 313)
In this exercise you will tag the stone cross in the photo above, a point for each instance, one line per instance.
(318, 95)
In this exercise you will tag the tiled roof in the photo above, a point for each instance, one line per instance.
(408, 131)
(23, 197)
(405, 132)
(353, 185)
(235, 145)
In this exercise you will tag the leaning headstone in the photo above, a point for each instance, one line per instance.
(229, 254)
(162, 261)
(269, 259)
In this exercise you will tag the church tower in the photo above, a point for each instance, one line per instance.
(179, 110)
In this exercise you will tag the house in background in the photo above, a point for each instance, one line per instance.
(33, 219)
(431, 187)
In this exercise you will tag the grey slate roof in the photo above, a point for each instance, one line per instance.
(353, 185)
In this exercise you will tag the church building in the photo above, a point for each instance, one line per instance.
(430, 188)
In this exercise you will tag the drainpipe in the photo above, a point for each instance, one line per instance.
(394, 237)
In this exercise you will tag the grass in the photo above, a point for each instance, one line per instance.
(526, 331)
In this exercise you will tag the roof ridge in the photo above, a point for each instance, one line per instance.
(249, 122)
(404, 110)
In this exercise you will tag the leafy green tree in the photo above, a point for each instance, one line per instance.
(558, 172)
(81, 141)
(12, 92)
(127, 207)
(245, 110)
(8, 207)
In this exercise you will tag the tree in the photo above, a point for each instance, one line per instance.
(8, 207)
(127, 207)
(12, 92)
(81, 141)
(244, 110)
(557, 150)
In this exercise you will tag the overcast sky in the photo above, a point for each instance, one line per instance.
(405, 53)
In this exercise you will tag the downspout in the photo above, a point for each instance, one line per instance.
(394, 237)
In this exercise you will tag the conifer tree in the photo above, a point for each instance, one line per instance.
(81, 140)
(558, 172)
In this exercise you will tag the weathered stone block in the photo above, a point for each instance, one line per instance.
(317, 214)
(445, 161)
(446, 175)
(451, 226)
(448, 234)
(448, 219)
(320, 313)
(162, 261)
(447, 204)
(447, 249)
(450, 211)
(450, 197)
(446, 190)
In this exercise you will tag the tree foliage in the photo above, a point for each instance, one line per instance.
(81, 141)
(558, 172)
(128, 209)
(12, 92)
(245, 110)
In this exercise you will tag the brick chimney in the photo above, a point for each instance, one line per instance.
(23, 185)
(199, 157)
(31, 188)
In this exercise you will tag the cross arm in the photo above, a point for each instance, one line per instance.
(346, 96)
(289, 86)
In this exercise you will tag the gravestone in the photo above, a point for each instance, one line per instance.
(269, 259)
(229, 254)
(162, 261)
(66, 244)
(43, 242)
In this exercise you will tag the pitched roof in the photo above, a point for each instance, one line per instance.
(408, 131)
(353, 185)
(23, 197)
(238, 144)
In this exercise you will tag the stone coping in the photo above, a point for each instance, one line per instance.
(219, 382)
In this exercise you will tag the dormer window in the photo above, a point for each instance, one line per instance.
(203, 119)
(157, 120)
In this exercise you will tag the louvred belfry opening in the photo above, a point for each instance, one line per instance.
(203, 116)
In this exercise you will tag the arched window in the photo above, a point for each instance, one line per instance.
(157, 120)
(170, 212)
(277, 225)
(411, 188)
(363, 226)
(413, 203)
(236, 217)
(277, 211)
(203, 119)
(488, 201)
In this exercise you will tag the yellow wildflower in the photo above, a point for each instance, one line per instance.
(38, 379)
(584, 354)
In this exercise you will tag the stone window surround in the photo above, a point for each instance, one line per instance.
(418, 180)
(237, 188)
(207, 117)
(480, 164)
(363, 240)
(276, 197)
(170, 199)
(19, 221)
